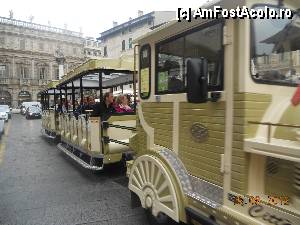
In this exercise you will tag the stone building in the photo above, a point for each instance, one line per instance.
(117, 41)
(92, 48)
(27, 57)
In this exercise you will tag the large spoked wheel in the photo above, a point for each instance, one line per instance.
(151, 182)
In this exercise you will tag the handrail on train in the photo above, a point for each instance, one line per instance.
(106, 124)
(273, 124)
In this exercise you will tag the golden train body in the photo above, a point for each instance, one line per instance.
(218, 138)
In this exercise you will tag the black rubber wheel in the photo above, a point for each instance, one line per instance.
(160, 219)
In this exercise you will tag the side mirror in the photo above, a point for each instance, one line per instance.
(197, 73)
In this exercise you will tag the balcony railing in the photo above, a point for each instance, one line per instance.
(25, 81)
(43, 82)
(4, 80)
(9, 80)
(30, 25)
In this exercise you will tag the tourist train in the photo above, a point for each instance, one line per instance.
(214, 136)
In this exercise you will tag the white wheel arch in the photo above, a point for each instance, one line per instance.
(150, 180)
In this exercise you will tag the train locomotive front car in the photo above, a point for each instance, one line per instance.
(218, 119)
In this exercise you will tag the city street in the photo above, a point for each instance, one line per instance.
(40, 185)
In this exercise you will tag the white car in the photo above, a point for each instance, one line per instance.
(7, 109)
(25, 106)
(3, 114)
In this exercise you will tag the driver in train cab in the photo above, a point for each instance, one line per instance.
(104, 108)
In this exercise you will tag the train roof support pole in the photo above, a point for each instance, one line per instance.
(134, 76)
(73, 96)
(100, 86)
(48, 99)
(55, 100)
(42, 100)
(81, 91)
(66, 98)
(60, 97)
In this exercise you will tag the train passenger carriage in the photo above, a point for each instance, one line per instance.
(88, 138)
(50, 122)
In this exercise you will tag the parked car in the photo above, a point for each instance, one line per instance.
(3, 114)
(7, 109)
(25, 105)
(16, 110)
(1, 127)
(33, 112)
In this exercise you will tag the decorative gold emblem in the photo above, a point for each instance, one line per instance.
(199, 132)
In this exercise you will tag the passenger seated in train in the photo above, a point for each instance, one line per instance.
(175, 83)
(83, 106)
(58, 106)
(62, 108)
(77, 108)
(105, 108)
(88, 104)
(91, 102)
(122, 105)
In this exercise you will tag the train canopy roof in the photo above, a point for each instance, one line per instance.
(124, 64)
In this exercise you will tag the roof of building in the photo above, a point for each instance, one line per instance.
(36, 26)
(132, 22)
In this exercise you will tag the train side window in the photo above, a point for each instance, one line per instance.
(172, 55)
(170, 67)
(145, 71)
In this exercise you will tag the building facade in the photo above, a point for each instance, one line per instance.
(117, 41)
(27, 57)
(92, 48)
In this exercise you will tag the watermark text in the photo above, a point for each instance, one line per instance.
(239, 12)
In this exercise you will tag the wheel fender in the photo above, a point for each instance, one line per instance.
(151, 182)
(160, 181)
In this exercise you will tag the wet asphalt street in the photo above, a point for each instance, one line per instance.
(39, 185)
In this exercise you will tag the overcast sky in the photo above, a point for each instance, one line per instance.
(93, 16)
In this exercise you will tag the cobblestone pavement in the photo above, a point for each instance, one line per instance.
(39, 185)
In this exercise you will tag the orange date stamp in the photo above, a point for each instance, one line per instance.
(257, 200)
